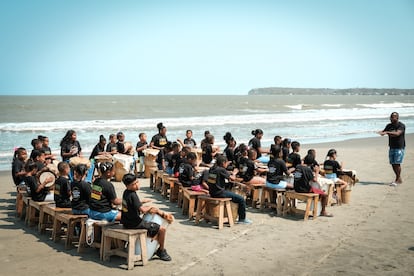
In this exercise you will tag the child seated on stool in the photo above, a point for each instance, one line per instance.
(131, 219)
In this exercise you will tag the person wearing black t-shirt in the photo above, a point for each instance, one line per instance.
(18, 172)
(103, 195)
(62, 186)
(217, 177)
(81, 191)
(303, 175)
(111, 147)
(248, 168)
(131, 215)
(38, 191)
(141, 146)
(278, 171)
(293, 158)
(255, 144)
(69, 146)
(396, 142)
(159, 140)
(208, 151)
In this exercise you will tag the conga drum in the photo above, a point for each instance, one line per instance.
(45, 175)
(79, 160)
(122, 163)
(152, 244)
(150, 157)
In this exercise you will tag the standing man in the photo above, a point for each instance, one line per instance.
(396, 142)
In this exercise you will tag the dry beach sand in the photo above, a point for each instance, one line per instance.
(373, 235)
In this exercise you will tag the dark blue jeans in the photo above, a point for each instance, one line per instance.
(236, 199)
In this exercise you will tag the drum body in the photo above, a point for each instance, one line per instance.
(150, 161)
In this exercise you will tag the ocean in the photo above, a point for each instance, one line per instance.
(305, 118)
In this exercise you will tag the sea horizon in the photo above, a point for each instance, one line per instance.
(310, 119)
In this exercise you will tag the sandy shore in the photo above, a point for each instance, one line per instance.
(373, 235)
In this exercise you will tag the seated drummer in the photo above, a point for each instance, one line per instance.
(38, 191)
(303, 177)
(121, 146)
(278, 172)
(99, 148)
(69, 146)
(112, 146)
(132, 208)
(103, 195)
(217, 177)
(248, 168)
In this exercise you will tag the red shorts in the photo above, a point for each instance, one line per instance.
(317, 191)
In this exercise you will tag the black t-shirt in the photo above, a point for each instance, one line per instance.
(159, 140)
(17, 166)
(399, 141)
(32, 184)
(111, 147)
(285, 151)
(277, 167)
(186, 175)
(130, 216)
(68, 147)
(81, 195)
(102, 195)
(61, 193)
(217, 180)
(96, 151)
(255, 144)
(177, 160)
(120, 147)
(190, 142)
(247, 168)
(168, 160)
(331, 166)
(207, 155)
(229, 153)
(141, 144)
(294, 159)
(303, 175)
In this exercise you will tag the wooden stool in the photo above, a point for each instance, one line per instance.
(308, 198)
(207, 209)
(47, 216)
(70, 220)
(152, 177)
(19, 201)
(276, 198)
(165, 187)
(33, 208)
(97, 242)
(168, 187)
(178, 187)
(118, 233)
(158, 180)
(189, 201)
(255, 190)
(25, 210)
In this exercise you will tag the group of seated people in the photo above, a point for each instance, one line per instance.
(97, 198)
(277, 167)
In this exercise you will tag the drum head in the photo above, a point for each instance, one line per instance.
(44, 175)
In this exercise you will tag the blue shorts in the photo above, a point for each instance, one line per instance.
(332, 176)
(81, 212)
(108, 216)
(282, 185)
(396, 156)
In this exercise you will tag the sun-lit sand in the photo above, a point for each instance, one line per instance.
(372, 235)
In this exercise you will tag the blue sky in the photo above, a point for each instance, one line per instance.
(203, 47)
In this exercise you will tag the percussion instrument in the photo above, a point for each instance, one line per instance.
(79, 160)
(45, 175)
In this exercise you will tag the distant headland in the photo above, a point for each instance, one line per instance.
(329, 91)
